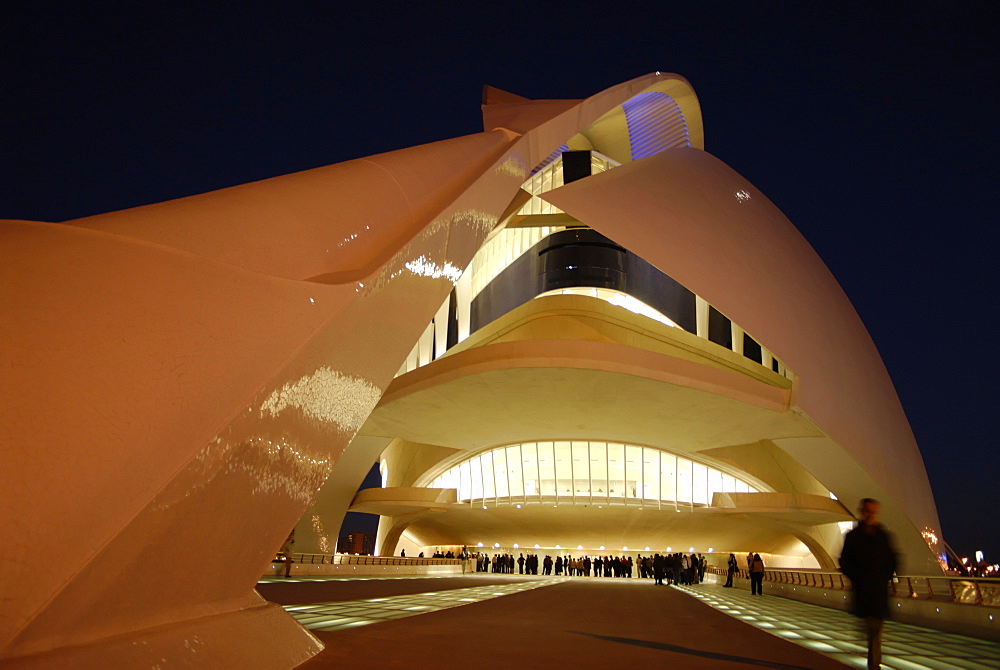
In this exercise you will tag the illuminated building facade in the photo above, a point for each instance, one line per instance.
(575, 328)
(356, 543)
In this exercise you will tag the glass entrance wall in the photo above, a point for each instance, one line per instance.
(585, 471)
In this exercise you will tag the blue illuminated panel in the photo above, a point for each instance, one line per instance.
(551, 159)
(655, 123)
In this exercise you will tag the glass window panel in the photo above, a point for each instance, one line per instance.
(668, 477)
(714, 483)
(651, 474)
(529, 453)
(581, 469)
(699, 480)
(546, 468)
(500, 471)
(476, 473)
(515, 471)
(683, 480)
(633, 471)
(564, 469)
(587, 469)
(616, 470)
(489, 484)
(599, 468)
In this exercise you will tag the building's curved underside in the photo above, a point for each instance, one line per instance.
(186, 375)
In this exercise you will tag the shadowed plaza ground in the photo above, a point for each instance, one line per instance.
(553, 623)
(501, 620)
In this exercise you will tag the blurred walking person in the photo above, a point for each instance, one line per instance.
(869, 560)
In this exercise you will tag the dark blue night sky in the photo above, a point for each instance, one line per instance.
(871, 125)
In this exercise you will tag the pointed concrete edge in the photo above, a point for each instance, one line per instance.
(261, 637)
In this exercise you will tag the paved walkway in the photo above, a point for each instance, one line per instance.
(836, 633)
(510, 621)
(500, 620)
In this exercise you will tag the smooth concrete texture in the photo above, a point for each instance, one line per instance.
(184, 376)
(584, 623)
(690, 215)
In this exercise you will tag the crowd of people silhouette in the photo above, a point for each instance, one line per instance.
(674, 568)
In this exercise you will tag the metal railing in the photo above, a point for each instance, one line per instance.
(352, 559)
(962, 590)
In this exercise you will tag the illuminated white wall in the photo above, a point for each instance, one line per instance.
(585, 471)
(616, 298)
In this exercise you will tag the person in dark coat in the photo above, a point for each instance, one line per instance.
(869, 560)
(731, 570)
(757, 575)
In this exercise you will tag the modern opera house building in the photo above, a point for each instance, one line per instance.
(576, 329)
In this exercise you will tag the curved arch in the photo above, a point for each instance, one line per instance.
(795, 306)
(664, 115)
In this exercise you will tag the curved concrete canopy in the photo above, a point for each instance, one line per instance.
(543, 390)
(691, 214)
(179, 376)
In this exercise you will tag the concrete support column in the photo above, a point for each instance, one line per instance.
(737, 338)
(463, 295)
(425, 345)
(701, 316)
(441, 329)
(390, 528)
